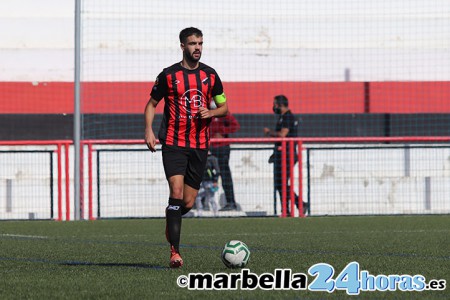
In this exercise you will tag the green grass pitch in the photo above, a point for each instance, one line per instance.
(127, 259)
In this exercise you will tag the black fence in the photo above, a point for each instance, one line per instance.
(131, 126)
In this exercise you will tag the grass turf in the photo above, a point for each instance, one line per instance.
(127, 259)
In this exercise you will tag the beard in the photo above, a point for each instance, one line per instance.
(190, 56)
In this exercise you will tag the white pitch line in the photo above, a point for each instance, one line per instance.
(323, 232)
(24, 236)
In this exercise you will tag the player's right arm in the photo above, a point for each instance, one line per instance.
(159, 90)
(149, 113)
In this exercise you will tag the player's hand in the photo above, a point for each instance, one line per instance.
(150, 140)
(205, 113)
(266, 131)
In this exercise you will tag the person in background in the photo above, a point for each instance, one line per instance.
(209, 186)
(221, 128)
(287, 126)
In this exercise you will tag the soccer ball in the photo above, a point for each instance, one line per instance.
(235, 254)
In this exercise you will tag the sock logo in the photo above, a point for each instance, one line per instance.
(173, 207)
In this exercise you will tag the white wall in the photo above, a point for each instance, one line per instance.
(251, 40)
(387, 181)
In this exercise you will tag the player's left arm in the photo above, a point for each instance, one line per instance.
(220, 111)
(221, 102)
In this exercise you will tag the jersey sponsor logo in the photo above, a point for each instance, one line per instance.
(196, 100)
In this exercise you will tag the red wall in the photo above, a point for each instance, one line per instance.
(410, 97)
(244, 97)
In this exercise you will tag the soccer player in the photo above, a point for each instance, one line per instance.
(188, 87)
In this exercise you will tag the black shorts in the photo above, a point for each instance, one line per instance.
(189, 162)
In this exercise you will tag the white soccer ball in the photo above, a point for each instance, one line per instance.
(235, 254)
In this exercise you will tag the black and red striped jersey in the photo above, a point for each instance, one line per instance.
(184, 91)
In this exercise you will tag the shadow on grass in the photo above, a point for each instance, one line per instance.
(86, 263)
(112, 265)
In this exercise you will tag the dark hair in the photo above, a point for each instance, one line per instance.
(185, 33)
(281, 100)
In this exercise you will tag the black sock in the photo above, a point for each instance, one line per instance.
(173, 221)
(185, 210)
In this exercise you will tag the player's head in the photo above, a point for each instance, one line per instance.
(280, 104)
(191, 40)
(185, 33)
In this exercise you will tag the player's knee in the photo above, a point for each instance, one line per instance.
(176, 192)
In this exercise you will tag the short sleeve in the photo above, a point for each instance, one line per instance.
(218, 87)
(159, 89)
